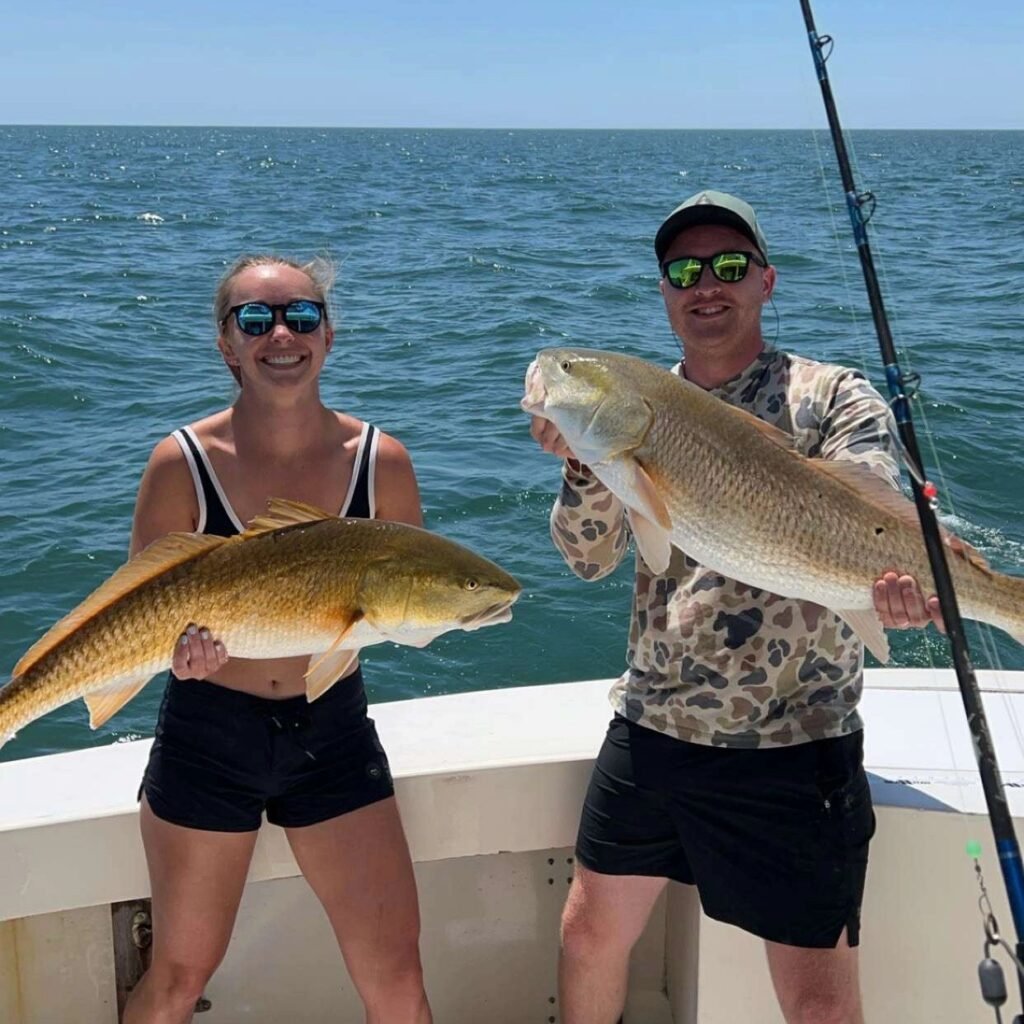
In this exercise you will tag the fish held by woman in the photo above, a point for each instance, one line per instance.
(729, 490)
(297, 581)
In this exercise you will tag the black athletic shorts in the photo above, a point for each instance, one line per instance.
(221, 757)
(776, 839)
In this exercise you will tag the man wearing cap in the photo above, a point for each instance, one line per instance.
(734, 757)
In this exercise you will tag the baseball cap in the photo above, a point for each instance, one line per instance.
(710, 207)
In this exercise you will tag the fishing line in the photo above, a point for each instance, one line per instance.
(865, 361)
(985, 632)
(851, 307)
(882, 255)
(986, 635)
(860, 206)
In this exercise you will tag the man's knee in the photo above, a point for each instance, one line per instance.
(813, 1006)
(817, 986)
(589, 932)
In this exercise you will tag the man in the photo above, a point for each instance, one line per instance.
(734, 760)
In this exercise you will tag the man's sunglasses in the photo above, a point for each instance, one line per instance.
(729, 267)
(303, 316)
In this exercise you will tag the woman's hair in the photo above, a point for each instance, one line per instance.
(319, 270)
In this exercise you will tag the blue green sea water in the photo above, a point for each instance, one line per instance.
(460, 254)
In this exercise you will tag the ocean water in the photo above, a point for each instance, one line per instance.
(460, 254)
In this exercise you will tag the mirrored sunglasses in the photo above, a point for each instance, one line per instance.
(303, 316)
(728, 267)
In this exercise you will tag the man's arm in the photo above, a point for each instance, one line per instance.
(588, 523)
(859, 426)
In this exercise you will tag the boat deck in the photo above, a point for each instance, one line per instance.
(490, 784)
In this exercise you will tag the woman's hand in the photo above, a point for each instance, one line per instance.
(197, 654)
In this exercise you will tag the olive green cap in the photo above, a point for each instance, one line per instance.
(710, 207)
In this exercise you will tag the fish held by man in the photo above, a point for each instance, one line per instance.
(731, 492)
(297, 581)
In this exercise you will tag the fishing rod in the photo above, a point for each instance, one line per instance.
(861, 206)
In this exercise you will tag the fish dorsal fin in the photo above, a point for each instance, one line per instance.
(281, 513)
(163, 554)
(772, 433)
(874, 489)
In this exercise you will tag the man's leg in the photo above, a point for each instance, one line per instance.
(816, 986)
(603, 918)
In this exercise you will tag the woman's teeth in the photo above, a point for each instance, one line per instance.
(282, 360)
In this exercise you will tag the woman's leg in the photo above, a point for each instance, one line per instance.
(358, 865)
(197, 878)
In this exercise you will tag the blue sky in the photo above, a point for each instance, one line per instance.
(525, 63)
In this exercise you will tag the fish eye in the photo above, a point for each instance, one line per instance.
(565, 365)
(471, 584)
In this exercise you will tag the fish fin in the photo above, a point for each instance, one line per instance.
(646, 499)
(280, 513)
(423, 641)
(772, 433)
(961, 549)
(651, 541)
(869, 486)
(868, 627)
(163, 554)
(105, 703)
(325, 671)
(874, 489)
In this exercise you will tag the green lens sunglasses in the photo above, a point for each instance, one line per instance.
(729, 267)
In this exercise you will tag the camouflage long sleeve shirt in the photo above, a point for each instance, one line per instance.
(712, 660)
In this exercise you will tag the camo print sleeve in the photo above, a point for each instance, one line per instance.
(588, 524)
(858, 425)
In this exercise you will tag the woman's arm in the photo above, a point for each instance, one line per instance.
(396, 493)
(167, 503)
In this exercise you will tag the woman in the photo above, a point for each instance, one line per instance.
(245, 740)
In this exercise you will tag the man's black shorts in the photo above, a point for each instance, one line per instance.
(222, 757)
(776, 840)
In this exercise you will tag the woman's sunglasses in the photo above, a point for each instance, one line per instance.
(729, 267)
(303, 316)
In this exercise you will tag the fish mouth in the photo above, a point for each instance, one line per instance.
(536, 393)
(493, 615)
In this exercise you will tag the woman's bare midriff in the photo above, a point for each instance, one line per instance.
(274, 679)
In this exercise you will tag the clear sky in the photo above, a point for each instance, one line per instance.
(511, 63)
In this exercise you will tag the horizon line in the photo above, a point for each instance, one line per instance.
(492, 128)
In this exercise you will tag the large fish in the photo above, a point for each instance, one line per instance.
(731, 492)
(298, 581)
